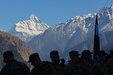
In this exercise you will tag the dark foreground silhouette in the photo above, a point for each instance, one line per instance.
(12, 66)
(77, 65)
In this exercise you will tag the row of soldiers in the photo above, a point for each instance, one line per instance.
(78, 64)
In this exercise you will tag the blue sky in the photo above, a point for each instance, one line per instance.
(49, 11)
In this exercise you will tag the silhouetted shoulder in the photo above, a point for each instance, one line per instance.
(15, 68)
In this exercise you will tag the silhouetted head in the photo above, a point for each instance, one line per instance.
(54, 57)
(101, 55)
(74, 55)
(86, 54)
(8, 56)
(34, 59)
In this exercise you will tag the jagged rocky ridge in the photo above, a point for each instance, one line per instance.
(27, 29)
(75, 34)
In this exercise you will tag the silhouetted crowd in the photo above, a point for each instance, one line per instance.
(83, 64)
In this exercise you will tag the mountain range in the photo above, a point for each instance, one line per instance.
(74, 34)
(27, 29)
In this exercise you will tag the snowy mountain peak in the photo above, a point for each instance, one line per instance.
(82, 17)
(29, 28)
(34, 18)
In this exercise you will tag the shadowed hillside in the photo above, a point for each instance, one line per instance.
(19, 48)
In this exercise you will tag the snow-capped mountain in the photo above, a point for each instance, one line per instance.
(76, 33)
(27, 29)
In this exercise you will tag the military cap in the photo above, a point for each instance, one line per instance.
(33, 56)
(86, 52)
(74, 53)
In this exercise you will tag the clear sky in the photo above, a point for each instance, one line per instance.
(49, 11)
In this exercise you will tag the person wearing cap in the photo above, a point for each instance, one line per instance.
(40, 68)
(86, 62)
(101, 56)
(56, 67)
(100, 67)
(13, 67)
(73, 67)
(34, 59)
(54, 57)
(87, 55)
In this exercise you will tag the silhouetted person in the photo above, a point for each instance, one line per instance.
(86, 62)
(12, 66)
(40, 68)
(73, 67)
(100, 67)
(56, 68)
(110, 63)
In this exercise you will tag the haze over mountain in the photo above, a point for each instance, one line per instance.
(27, 29)
(76, 34)
(19, 48)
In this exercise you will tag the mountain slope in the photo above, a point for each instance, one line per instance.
(8, 42)
(76, 31)
(27, 29)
